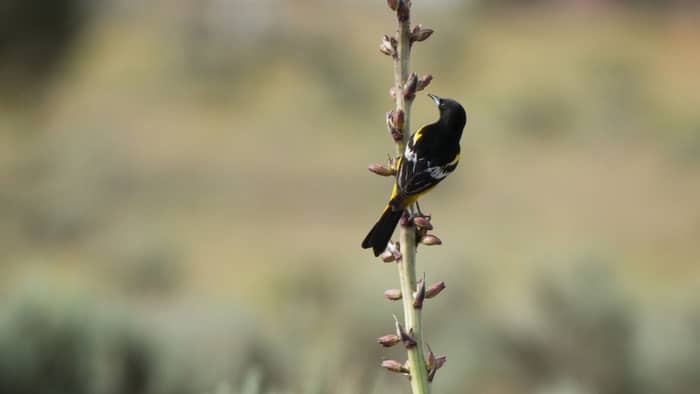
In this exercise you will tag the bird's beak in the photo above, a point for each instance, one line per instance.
(435, 98)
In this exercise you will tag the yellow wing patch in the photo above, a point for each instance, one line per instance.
(417, 135)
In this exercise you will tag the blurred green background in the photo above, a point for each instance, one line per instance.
(183, 192)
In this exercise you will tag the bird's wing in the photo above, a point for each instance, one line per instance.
(417, 176)
(416, 172)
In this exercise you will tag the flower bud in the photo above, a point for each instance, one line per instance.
(435, 289)
(419, 33)
(392, 294)
(394, 366)
(388, 340)
(398, 119)
(423, 82)
(381, 169)
(396, 133)
(409, 88)
(395, 248)
(387, 51)
(387, 46)
(387, 256)
(430, 239)
(422, 222)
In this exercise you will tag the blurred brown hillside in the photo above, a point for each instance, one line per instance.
(183, 191)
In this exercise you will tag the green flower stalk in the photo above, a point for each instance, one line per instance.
(413, 228)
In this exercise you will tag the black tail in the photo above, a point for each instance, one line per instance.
(380, 234)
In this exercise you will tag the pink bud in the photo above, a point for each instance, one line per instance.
(387, 256)
(423, 222)
(435, 289)
(392, 294)
(424, 81)
(394, 366)
(388, 340)
(409, 88)
(381, 169)
(430, 239)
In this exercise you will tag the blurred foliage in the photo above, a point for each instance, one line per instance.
(181, 210)
(35, 39)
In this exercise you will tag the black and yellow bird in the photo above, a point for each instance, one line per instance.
(431, 154)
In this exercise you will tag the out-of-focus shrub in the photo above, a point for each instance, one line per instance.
(58, 344)
(35, 37)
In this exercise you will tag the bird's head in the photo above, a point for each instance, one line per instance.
(452, 113)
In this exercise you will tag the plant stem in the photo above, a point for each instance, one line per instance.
(407, 264)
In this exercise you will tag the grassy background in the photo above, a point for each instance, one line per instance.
(183, 196)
